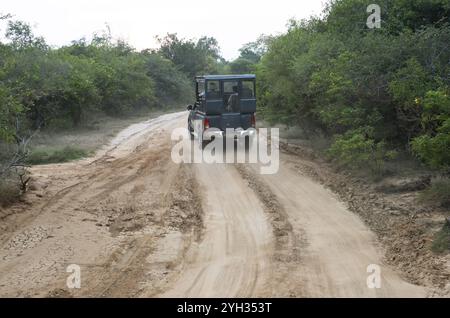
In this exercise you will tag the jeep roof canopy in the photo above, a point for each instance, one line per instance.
(215, 99)
(226, 77)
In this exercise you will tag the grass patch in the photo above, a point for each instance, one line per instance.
(441, 242)
(437, 194)
(52, 155)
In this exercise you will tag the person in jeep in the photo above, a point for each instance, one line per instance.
(233, 100)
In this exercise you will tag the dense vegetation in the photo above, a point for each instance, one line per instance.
(61, 87)
(374, 90)
(45, 88)
(374, 93)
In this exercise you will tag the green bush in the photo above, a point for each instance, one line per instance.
(434, 150)
(50, 87)
(434, 146)
(331, 73)
(242, 66)
(355, 150)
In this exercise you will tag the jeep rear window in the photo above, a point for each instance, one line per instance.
(228, 87)
(248, 89)
(213, 89)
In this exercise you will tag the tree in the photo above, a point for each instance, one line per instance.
(242, 66)
(171, 85)
(253, 51)
(22, 37)
(333, 74)
(193, 57)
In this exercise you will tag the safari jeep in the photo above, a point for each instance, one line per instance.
(223, 102)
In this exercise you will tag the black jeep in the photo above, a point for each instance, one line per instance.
(223, 102)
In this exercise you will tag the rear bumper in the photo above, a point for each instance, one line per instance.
(236, 133)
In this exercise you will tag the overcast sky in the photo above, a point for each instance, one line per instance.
(232, 22)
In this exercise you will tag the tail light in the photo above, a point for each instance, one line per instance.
(206, 123)
(253, 121)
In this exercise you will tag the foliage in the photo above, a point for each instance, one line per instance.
(66, 85)
(253, 51)
(355, 149)
(192, 57)
(334, 74)
(44, 87)
(433, 147)
(9, 108)
(250, 55)
(171, 85)
(242, 66)
(373, 89)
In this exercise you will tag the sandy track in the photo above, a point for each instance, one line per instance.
(141, 226)
(232, 260)
(339, 247)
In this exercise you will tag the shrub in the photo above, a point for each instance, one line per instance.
(355, 150)
(433, 147)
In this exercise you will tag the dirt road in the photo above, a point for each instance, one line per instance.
(139, 225)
